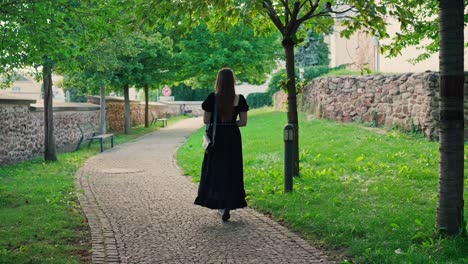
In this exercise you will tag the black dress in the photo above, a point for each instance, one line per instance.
(222, 177)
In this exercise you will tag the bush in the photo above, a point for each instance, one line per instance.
(274, 84)
(315, 71)
(183, 92)
(257, 100)
(200, 94)
(76, 95)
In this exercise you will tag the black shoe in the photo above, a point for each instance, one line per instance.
(226, 215)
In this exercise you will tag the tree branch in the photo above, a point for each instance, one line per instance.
(287, 11)
(341, 12)
(309, 14)
(286, 5)
(273, 15)
(296, 10)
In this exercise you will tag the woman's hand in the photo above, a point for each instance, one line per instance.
(206, 117)
(242, 119)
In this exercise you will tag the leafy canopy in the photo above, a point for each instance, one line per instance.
(35, 32)
(204, 52)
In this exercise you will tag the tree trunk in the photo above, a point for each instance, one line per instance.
(50, 152)
(288, 45)
(450, 219)
(127, 110)
(102, 116)
(146, 105)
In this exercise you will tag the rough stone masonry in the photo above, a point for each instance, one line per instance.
(408, 101)
(22, 128)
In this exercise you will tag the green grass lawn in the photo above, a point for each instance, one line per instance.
(368, 197)
(40, 218)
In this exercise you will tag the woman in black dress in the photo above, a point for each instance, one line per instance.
(222, 178)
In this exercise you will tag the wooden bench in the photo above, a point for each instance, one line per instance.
(155, 119)
(94, 135)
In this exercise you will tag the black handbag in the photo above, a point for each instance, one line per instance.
(210, 132)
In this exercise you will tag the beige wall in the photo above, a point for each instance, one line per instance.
(359, 51)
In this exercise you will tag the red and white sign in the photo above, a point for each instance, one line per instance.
(166, 91)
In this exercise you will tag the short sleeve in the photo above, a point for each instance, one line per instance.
(208, 104)
(243, 106)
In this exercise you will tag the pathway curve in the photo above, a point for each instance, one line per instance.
(140, 210)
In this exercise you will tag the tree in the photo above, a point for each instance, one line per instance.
(127, 64)
(291, 18)
(156, 58)
(201, 53)
(94, 73)
(450, 215)
(42, 34)
(313, 52)
(421, 27)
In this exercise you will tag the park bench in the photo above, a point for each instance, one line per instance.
(154, 119)
(85, 135)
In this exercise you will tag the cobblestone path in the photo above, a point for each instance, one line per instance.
(140, 210)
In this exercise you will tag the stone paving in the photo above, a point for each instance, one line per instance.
(140, 210)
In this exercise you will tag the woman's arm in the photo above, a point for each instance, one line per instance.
(242, 119)
(206, 117)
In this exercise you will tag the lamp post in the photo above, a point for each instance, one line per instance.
(288, 157)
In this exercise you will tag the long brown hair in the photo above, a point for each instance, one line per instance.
(225, 93)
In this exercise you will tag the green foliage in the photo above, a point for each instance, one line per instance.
(34, 32)
(257, 100)
(200, 94)
(123, 59)
(372, 195)
(183, 92)
(419, 26)
(315, 71)
(274, 84)
(321, 70)
(203, 53)
(313, 52)
(277, 80)
(76, 95)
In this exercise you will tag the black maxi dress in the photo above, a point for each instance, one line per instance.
(222, 177)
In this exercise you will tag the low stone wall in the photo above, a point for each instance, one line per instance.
(409, 101)
(22, 128)
(178, 107)
(115, 110)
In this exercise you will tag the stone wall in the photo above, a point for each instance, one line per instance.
(22, 128)
(115, 110)
(177, 108)
(408, 101)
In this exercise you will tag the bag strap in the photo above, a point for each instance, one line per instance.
(215, 119)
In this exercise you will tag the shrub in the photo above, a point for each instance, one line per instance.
(200, 94)
(274, 85)
(257, 100)
(183, 92)
(76, 95)
(315, 71)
